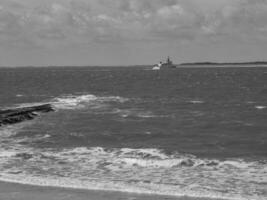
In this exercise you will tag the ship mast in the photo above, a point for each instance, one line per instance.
(169, 60)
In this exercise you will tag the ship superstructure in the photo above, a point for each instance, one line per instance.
(165, 65)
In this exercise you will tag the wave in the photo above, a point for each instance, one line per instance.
(71, 102)
(81, 101)
(196, 102)
(152, 158)
(148, 171)
(141, 188)
(260, 107)
(125, 113)
(100, 104)
(5, 154)
(19, 95)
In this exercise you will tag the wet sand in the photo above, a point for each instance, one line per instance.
(14, 191)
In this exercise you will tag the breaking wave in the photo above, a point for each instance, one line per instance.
(260, 107)
(149, 171)
(196, 102)
(101, 104)
(125, 113)
(81, 101)
(104, 104)
(71, 102)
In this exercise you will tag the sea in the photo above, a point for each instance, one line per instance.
(192, 131)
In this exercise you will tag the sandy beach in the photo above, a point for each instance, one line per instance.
(14, 191)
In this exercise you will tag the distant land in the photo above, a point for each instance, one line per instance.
(223, 63)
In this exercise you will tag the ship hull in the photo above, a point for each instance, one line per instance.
(168, 67)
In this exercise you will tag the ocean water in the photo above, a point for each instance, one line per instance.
(199, 132)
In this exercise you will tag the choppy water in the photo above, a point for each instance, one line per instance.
(196, 132)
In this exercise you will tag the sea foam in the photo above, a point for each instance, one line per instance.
(140, 188)
(149, 171)
(81, 101)
(143, 170)
(260, 107)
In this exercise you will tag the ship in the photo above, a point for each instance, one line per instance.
(164, 65)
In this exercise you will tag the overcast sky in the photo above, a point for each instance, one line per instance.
(111, 32)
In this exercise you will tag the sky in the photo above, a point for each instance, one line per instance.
(130, 32)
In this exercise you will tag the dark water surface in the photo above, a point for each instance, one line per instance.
(189, 131)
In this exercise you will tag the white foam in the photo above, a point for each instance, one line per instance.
(19, 95)
(149, 158)
(196, 102)
(139, 188)
(260, 107)
(11, 130)
(152, 162)
(77, 101)
(147, 115)
(113, 98)
(72, 102)
(237, 163)
(143, 153)
(149, 171)
(81, 101)
(134, 113)
(5, 154)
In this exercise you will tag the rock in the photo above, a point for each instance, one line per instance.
(16, 115)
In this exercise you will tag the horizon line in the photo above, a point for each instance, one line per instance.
(146, 65)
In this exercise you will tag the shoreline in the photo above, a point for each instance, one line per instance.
(17, 191)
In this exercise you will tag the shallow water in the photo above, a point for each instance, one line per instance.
(196, 132)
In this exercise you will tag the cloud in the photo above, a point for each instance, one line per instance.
(77, 21)
(244, 18)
